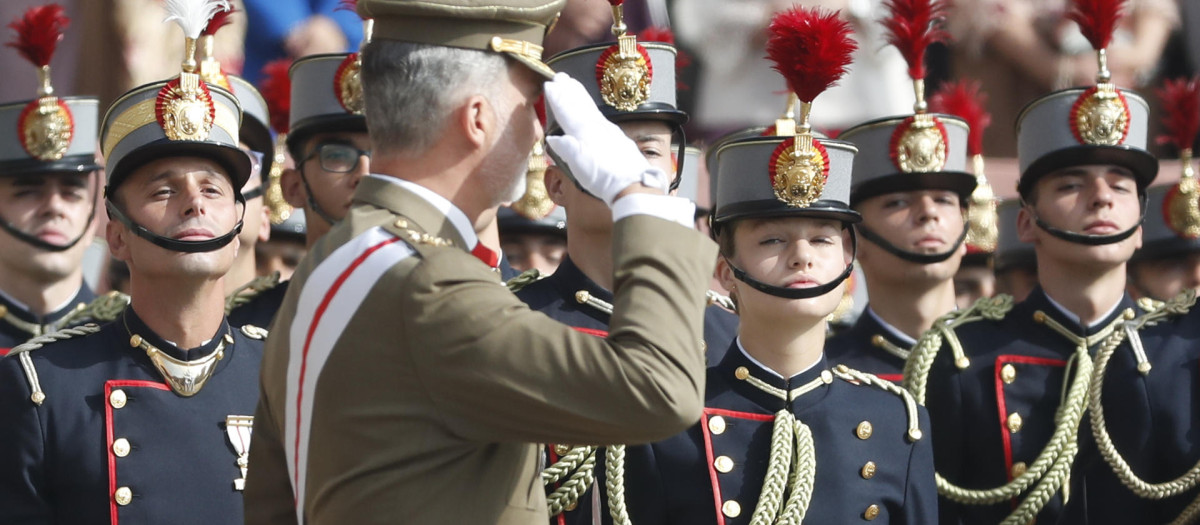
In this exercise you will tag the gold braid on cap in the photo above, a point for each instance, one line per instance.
(45, 126)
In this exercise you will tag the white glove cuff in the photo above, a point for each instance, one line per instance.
(656, 178)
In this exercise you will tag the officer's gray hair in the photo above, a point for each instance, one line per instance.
(410, 89)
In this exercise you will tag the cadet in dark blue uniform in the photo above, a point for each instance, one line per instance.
(914, 208)
(1138, 461)
(786, 435)
(47, 200)
(146, 419)
(1006, 386)
(579, 292)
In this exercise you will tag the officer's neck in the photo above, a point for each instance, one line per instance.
(186, 311)
(40, 295)
(911, 307)
(787, 348)
(591, 251)
(1089, 293)
(314, 227)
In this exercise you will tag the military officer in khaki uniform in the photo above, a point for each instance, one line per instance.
(404, 382)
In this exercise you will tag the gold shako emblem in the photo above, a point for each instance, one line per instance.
(624, 72)
(1181, 208)
(799, 168)
(919, 144)
(535, 203)
(347, 84)
(1100, 116)
(45, 127)
(184, 108)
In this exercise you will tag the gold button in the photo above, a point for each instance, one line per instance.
(1014, 422)
(120, 447)
(868, 470)
(123, 496)
(229, 338)
(716, 425)
(117, 398)
(1018, 468)
(401, 223)
(877, 340)
(826, 376)
(135, 340)
(561, 449)
(1039, 316)
(724, 464)
(864, 430)
(1008, 374)
(871, 513)
(38, 397)
(731, 509)
(962, 362)
(741, 372)
(3, 310)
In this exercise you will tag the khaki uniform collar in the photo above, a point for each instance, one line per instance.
(422, 214)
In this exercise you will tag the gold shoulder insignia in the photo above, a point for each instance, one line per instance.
(255, 332)
(250, 290)
(526, 278)
(22, 353)
(858, 378)
(1149, 304)
(416, 237)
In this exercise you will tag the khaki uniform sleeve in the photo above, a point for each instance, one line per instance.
(269, 498)
(497, 371)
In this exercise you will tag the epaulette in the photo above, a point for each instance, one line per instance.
(858, 378)
(22, 353)
(102, 309)
(1149, 304)
(943, 330)
(526, 278)
(255, 332)
(250, 290)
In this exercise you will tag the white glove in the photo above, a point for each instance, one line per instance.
(598, 154)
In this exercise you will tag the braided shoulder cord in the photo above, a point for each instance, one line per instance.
(526, 278)
(1068, 415)
(568, 493)
(614, 481)
(565, 464)
(22, 353)
(104, 308)
(882, 343)
(1104, 442)
(851, 375)
(802, 478)
(770, 498)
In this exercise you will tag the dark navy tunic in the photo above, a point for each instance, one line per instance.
(13, 334)
(109, 424)
(687, 480)
(993, 419)
(1152, 422)
(862, 347)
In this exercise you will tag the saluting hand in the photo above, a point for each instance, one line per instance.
(598, 154)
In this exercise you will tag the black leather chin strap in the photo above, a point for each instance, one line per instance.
(312, 203)
(43, 245)
(1092, 240)
(175, 245)
(918, 258)
(798, 293)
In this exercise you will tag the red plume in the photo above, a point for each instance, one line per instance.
(276, 89)
(218, 20)
(666, 36)
(964, 100)
(38, 33)
(912, 26)
(811, 48)
(1181, 111)
(1097, 19)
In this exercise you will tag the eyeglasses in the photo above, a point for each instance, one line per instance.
(338, 158)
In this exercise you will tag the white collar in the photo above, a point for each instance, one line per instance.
(765, 367)
(1071, 315)
(455, 215)
(895, 332)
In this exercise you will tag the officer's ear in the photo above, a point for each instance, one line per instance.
(114, 235)
(475, 117)
(556, 181)
(1025, 224)
(293, 188)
